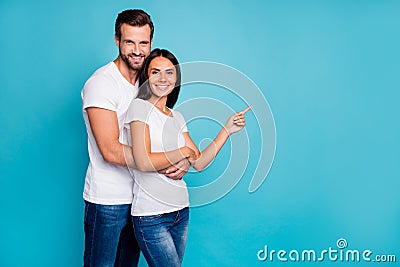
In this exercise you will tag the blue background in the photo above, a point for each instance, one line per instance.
(329, 70)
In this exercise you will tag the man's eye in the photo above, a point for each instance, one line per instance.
(154, 72)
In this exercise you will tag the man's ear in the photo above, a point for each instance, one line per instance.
(116, 40)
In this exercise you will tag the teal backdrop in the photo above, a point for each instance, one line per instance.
(328, 69)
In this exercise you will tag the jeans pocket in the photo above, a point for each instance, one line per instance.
(150, 218)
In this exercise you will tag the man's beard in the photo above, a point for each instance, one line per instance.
(132, 66)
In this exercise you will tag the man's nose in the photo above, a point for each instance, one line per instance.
(136, 49)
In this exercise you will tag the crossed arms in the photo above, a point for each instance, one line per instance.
(107, 139)
(173, 163)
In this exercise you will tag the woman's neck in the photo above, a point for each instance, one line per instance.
(160, 103)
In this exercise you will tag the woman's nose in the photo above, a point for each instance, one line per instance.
(162, 76)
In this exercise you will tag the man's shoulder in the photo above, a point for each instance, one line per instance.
(104, 76)
(106, 71)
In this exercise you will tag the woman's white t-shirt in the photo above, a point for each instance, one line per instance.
(154, 193)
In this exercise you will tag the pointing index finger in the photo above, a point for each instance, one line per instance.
(245, 110)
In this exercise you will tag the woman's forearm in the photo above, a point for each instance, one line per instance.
(211, 151)
(146, 160)
(235, 123)
(159, 160)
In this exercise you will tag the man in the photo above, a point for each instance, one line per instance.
(109, 238)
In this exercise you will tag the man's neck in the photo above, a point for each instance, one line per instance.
(130, 75)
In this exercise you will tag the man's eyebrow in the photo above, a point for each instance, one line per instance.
(142, 42)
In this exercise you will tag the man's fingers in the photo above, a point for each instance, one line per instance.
(171, 169)
(176, 172)
(177, 175)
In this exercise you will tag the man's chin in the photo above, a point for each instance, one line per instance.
(136, 66)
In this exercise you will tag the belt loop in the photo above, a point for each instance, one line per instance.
(176, 217)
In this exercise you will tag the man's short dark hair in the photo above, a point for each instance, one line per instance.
(133, 17)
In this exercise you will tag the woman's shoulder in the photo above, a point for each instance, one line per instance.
(138, 103)
(177, 114)
(139, 109)
(139, 100)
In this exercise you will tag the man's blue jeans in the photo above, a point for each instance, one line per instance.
(162, 237)
(109, 237)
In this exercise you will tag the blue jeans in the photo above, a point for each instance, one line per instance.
(109, 237)
(162, 237)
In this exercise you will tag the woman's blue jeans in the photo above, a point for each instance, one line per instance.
(162, 237)
(109, 237)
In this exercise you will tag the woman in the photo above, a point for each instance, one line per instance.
(160, 138)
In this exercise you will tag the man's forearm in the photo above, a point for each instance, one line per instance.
(128, 155)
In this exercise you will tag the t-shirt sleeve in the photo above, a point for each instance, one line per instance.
(138, 110)
(181, 120)
(99, 92)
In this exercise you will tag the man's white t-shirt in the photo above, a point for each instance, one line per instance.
(107, 183)
(154, 193)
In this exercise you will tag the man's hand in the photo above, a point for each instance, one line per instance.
(176, 172)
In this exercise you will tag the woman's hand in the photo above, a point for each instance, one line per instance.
(236, 122)
(189, 153)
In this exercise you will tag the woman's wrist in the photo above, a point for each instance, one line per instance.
(226, 131)
(185, 152)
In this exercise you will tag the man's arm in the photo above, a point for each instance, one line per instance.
(104, 125)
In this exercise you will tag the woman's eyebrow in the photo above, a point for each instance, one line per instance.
(162, 70)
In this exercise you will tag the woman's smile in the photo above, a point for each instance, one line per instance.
(162, 87)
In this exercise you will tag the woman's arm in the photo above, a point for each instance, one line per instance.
(144, 159)
(201, 159)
